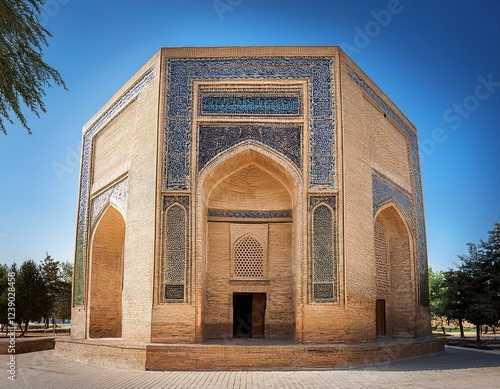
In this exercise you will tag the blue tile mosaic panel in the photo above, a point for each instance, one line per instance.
(181, 199)
(417, 201)
(250, 105)
(214, 139)
(85, 182)
(118, 193)
(249, 214)
(181, 75)
(385, 190)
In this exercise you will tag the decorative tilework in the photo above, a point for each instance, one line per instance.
(248, 214)
(181, 199)
(85, 182)
(176, 250)
(417, 205)
(215, 139)
(250, 105)
(385, 190)
(119, 194)
(322, 292)
(323, 249)
(182, 73)
(326, 199)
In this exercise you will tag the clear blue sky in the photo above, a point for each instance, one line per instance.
(439, 61)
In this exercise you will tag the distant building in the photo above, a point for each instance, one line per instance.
(263, 192)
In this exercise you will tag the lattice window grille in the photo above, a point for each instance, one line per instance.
(248, 258)
(175, 253)
(323, 254)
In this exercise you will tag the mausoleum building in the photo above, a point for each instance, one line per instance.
(266, 193)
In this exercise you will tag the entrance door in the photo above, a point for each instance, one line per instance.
(380, 317)
(258, 314)
(248, 315)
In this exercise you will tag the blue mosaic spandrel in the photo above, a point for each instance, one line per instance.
(213, 140)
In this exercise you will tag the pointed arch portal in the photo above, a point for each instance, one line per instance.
(395, 275)
(249, 197)
(106, 276)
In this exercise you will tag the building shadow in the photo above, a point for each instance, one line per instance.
(453, 358)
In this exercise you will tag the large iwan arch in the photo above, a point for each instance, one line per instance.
(250, 191)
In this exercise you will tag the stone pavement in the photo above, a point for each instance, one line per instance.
(455, 368)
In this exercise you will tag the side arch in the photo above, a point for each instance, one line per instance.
(106, 275)
(396, 290)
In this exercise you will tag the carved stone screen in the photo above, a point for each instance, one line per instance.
(323, 254)
(175, 253)
(248, 258)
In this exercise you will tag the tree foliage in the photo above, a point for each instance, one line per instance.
(436, 293)
(4, 270)
(42, 291)
(31, 294)
(437, 296)
(61, 308)
(50, 272)
(472, 291)
(23, 73)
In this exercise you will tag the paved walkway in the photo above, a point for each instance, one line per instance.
(456, 368)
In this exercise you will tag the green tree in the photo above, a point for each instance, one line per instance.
(23, 73)
(437, 295)
(455, 296)
(4, 270)
(62, 303)
(50, 273)
(491, 267)
(476, 285)
(31, 294)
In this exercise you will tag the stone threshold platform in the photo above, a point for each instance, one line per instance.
(243, 355)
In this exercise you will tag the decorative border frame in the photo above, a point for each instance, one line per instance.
(252, 97)
(249, 214)
(181, 75)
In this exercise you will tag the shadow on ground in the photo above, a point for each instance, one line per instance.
(452, 358)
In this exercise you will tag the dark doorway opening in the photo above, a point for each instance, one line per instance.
(248, 315)
(380, 317)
